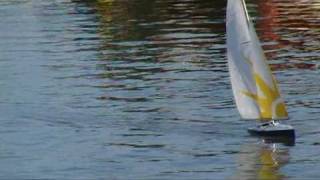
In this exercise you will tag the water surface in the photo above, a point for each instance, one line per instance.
(139, 89)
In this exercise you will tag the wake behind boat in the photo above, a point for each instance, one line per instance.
(254, 88)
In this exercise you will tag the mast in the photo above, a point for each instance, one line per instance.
(245, 11)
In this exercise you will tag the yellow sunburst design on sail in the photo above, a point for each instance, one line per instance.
(271, 95)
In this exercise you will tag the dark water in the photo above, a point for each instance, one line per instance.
(139, 89)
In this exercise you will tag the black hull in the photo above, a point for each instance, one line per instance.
(272, 133)
(286, 137)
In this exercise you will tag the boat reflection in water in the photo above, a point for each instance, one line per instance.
(262, 161)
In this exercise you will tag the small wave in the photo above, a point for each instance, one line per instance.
(138, 145)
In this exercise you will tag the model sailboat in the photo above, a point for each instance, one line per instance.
(255, 89)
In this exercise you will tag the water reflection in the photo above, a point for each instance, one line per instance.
(291, 32)
(263, 161)
(155, 44)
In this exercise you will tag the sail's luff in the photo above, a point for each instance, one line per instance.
(254, 88)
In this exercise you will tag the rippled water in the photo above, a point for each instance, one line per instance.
(139, 89)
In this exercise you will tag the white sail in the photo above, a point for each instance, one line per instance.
(254, 88)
